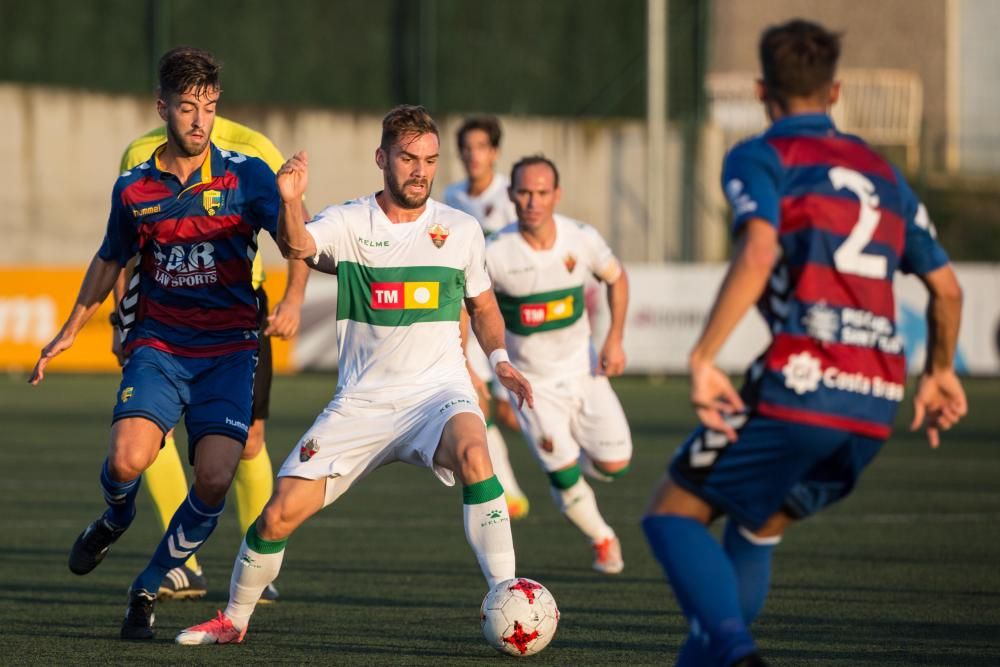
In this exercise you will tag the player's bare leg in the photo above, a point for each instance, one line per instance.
(135, 442)
(258, 561)
(487, 523)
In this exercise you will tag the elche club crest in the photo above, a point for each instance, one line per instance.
(308, 449)
(438, 233)
(570, 262)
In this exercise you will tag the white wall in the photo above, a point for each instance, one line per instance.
(60, 150)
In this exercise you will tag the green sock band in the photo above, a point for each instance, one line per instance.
(564, 479)
(490, 422)
(482, 492)
(262, 546)
(617, 473)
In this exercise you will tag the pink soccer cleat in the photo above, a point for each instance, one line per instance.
(220, 630)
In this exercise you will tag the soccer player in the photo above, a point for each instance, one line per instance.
(483, 195)
(821, 223)
(253, 484)
(192, 214)
(404, 264)
(539, 265)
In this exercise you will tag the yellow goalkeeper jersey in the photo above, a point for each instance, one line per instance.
(226, 134)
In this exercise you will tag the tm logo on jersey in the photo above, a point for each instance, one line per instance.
(537, 314)
(185, 266)
(405, 296)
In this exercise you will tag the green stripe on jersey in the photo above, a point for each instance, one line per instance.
(399, 296)
(545, 311)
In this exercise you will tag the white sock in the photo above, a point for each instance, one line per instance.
(252, 573)
(501, 461)
(487, 527)
(579, 505)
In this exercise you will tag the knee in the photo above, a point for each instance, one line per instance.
(213, 483)
(255, 440)
(473, 460)
(126, 463)
(612, 468)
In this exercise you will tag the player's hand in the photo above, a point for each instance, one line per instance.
(938, 404)
(713, 397)
(283, 322)
(611, 361)
(60, 343)
(511, 378)
(293, 177)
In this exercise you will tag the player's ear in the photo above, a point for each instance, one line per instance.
(834, 94)
(161, 106)
(760, 90)
(381, 159)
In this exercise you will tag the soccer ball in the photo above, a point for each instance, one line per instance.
(519, 617)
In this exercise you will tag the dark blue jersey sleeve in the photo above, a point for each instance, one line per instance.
(261, 195)
(120, 241)
(921, 251)
(751, 179)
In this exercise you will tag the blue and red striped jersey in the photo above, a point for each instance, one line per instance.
(847, 221)
(195, 243)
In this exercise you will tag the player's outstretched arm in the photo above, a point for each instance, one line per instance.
(712, 394)
(612, 356)
(97, 283)
(940, 399)
(487, 324)
(293, 239)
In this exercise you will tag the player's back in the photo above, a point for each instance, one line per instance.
(842, 214)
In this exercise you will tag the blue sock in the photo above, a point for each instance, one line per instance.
(752, 563)
(120, 497)
(704, 583)
(190, 526)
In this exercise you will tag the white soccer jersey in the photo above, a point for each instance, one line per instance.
(540, 293)
(492, 207)
(399, 294)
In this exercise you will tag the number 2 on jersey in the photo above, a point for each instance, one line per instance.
(850, 256)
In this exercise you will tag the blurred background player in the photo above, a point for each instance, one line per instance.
(405, 264)
(821, 224)
(539, 266)
(192, 347)
(165, 479)
(483, 195)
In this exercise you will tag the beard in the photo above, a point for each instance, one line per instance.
(398, 193)
(188, 146)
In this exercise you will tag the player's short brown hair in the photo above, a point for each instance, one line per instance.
(403, 120)
(798, 59)
(187, 68)
(529, 160)
(488, 124)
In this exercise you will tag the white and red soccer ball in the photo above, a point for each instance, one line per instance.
(519, 617)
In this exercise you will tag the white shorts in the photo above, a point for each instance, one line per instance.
(574, 414)
(354, 436)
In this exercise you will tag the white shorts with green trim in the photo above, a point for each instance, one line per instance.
(354, 436)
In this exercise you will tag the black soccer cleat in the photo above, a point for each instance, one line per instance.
(92, 545)
(139, 616)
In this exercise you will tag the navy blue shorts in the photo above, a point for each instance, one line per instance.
(774, 465)
(215, 394)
